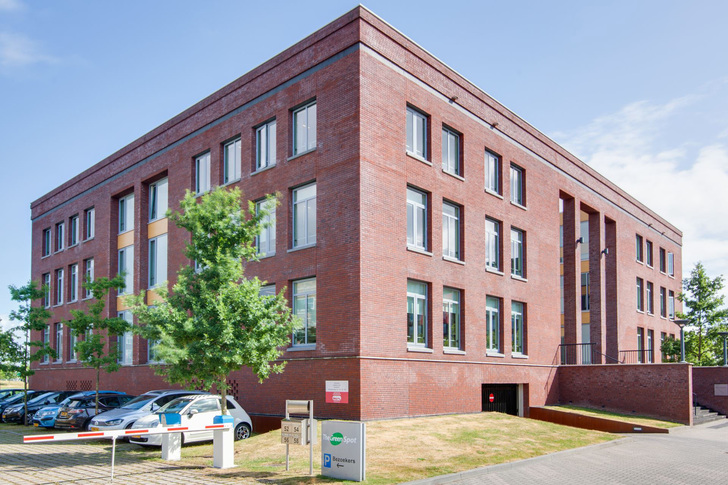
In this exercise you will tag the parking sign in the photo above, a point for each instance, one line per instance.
(327, 460)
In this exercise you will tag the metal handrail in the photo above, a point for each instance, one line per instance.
(584, 353)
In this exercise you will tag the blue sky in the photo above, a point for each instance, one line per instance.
(637, 89)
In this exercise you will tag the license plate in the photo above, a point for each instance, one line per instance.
(135, 436)
(63, 415)
(94, 428)
(36, 425)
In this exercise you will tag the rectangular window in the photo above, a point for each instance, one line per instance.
(152, 356)
(416, 313)
(492, 172)
(59, 286)
(640, 345)
(650, 346)
(518, 192)
(451, 318)
(265, 145)
(648, 252)
(157, 261)
(73, 231)
(59, 236)
(126, 213)
(671, 304)
(450, 230)
(638, 249)
(125, 342)
(584, 245)
(663, 355)
(126, 268)
(492, 324)
(663, 260)
(202, 173)
(492, 244)
(46, 342)
(72, 341)
(265, 242)
(640, 295)
(518, 326)
(59, 342)
(671, 264)
(231, 161)
(89, 272)
(416, 133)
(304, 216)
(158, 200)
(649, 296)
(47, 242)
(73, 283)
(584, 291)
(267, 290)
(47, 290)
(517, 253)
(663, 302)
(90, 221)
(451, 151)
(304, 129)
(304, 307)
(416, 219)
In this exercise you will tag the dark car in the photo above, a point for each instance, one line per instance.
(78, 412)
(46, 416)
(16, 412)
(8, 393)
(18, 398)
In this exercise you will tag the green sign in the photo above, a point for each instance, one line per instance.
(336, 439)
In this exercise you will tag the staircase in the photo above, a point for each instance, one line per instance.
(705, 415)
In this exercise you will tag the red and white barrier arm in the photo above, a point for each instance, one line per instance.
(116, 433)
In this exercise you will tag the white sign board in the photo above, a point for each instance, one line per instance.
(721, 389)
(343, 450)
(337, 392)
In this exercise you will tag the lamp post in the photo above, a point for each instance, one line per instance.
(725, 347)
(681, 324)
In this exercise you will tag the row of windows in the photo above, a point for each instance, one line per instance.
(646, 349)
(645, 299)
(156, 264)
(64, 284)
(644, 254)
(71, 237)
(452, 156)
(158, 204)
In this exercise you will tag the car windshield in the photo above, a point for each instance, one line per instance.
(175, 406)
(139, 401)
(40, 398)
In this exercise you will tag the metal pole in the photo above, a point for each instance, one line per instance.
(310, 439)
(725, 351)
(682, 344)
(113, 455)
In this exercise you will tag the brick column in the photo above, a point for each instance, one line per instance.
(596, 280)
(611, 307)
(572, 274)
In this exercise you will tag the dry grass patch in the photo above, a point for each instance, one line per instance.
(598, 413)
(5, 384)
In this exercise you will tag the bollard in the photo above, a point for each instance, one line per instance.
(223, 443)
(172, 442)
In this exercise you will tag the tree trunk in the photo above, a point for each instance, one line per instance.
(222, 384)
(98, 372)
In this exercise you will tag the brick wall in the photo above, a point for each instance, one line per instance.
(704, 381)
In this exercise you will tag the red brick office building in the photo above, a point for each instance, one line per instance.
(405, 190)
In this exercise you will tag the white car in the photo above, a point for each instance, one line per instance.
(195, 412)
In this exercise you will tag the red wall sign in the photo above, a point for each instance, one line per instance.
(491, 398)
(337, 392)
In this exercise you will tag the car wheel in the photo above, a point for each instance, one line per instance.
(128, 426)
(242, 431)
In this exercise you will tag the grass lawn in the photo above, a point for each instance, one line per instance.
(11, 384)
(643, 420)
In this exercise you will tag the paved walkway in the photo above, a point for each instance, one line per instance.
(692, 456)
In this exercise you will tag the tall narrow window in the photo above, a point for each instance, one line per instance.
(450, 230)
(451, 151)
(126, 213)
(663, 260)
(46, 341)
(640, 345)
(492, 244)
(47, 290)
(265, 145)
(663, 355)
(585, 300)
(640, 295)
(517, 253)
(231, 163)
(663, 302)
(416, 313)
(158, 200)
(416, 133)
(73, 231)
(202, 173)
(304, 129)
(157, 261)
(59, 286)
(648, 252)
(416, 219)
(671, 264)
(584, 245)
(47, 242)
(265, 242)
(638, 248)
(492, 172)
(90, 220)
(451, 318)
(649, 296)
(517, 185)
(492, 324)
(304, 216)
(671, 304)
(518, 327)
(60, 234)
(72, 352)
(125, 342)
(126, 268)
(89, 276)
(650, 344)
(304, 307)
(73, 283)
(59, 342)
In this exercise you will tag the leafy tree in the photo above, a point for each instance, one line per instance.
(214, 320)
(671, 348)
(705, 312)
(94, 330)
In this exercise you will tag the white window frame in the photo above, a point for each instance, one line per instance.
(649, 256)
(73, 283)
(304, 136)
(416, 133)
(492, 172)
(663, 302)
(267, 290)
(416, 215)
(90, 228)
(671, 305)
(584, 234)
(88, 276)
(451, 231)
(639, 248)
(202, 173)
(73, 231)
(265, 241)
(518, 253)
(126, 213)
(492, 244)
(417, 296)
(309, 223)
(640, 295)
(671, 264)
(125, 341)
(47, 248)
(309, 297)
(158, 199)
(59, 286)
(72, 341)
(47, 292)
(585, 297)
(157, 261)
(451, 151)
(492, 324)
(518, 189)
(126, 265)
(265, 145)
(60, 236)
(46, 342)
(518, 328)
(650, 297)
(59, 342)
(451, 316)
(650, 345)
(232, 161)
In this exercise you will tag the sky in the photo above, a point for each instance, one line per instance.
(637, 89)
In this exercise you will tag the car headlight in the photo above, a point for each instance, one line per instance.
(44, 413)
(114, 422)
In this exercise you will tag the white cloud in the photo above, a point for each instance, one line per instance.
(17, 50)
(11, 5)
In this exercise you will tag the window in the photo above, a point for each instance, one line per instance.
(73, 283)
(517, 253)
(59, 342)
(90, 220)
(73, 231)
(451, 318)
(59, 236)
(671, 304)
(267, 290)
(638, 249)
(492, 324)
(517, 185)
(416, 219)
(584, 234)
(158, 200)
(304, 216)
(640, 295)
(157, 261)
(416, 313)
(671, 264)
(59, 286)
(585, 301)
(47, 290)
(648, 253)
(451, 151)
(650, 348)
(492, 172)
(46, 342)
(202, 173)
(152, 355)
(126, 213)
(663, 302)
(649, 296)
(304, 307)
(265, 145)
(518, 328)
(72, 353)
(265, 242)
(46, 250)
(416, 133)
(231, 161)
(89, 272)
(126, 268)
(663, 355)
(663, 260)
(640, 345)
(304, 129)
(125, 342)
(492, 244)
(450, 230)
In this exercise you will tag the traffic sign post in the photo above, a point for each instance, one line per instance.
(343, 450)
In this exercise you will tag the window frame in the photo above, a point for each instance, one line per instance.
(411, 147)
(639, 249)
(88, 268)
(671, 305)
(59, 342)
(518, 185)
(418, 339)
(305, 330)
(586, 288)
(89, 217)
(417, 208)
(73, 231)
(46, 277)
(60, 279)
(452, 331)
(46, 342)
(663, 260)
(60, 237)
(518, 329)
(650, 297)
(125, 341)
(310, 144)
(47, 242)
(493, 242)
(268, 228)
(157, 266)
(202, 167)
(492, 167)
(158, 199)
(126, 255)
(451, 226)
(264, 130)
(309, 240)
(448, 135)
(493, 325)
(236, 164)
(670, 263)
(519, 246)
(640, 294)
(663, 302)
(73, 283)
(126, 213)
(649, 248)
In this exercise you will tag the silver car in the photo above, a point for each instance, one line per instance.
(139, 407)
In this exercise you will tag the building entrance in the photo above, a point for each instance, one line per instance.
(500, 398)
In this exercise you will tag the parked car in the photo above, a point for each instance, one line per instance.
(195, 412)
(139, 407)
(18, 398)
(78, 412)
(46, 416)
(8, 393)
(16, 412)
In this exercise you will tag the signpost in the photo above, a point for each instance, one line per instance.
(297, 431)
(343, 450)
(337, 392)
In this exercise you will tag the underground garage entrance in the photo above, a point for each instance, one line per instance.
(501, 398)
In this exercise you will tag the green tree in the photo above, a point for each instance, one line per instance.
(671, 348)
(94, 330)
(705, 313)
(214, 320)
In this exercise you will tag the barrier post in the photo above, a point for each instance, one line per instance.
(172, 442)
(223, 443)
